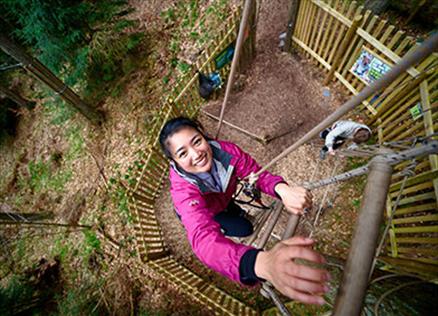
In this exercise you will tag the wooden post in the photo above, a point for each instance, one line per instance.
(293, 11)
(363, 247)
(342, 48)
(429, 128)
(45, 75)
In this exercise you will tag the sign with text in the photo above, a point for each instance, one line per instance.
(368, 67)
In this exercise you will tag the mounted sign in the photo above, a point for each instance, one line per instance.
(369, 67)
(224, 57)
(416, 111)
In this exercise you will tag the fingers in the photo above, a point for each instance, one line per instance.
(298, 241)
(304, 253)
(307, 273)
(306, 286)
(303, 297)
(300, 199)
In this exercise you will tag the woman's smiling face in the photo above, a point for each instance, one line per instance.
(190, 150)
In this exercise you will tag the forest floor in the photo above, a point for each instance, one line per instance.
(67, 169)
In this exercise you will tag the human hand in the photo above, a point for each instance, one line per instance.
(294, 280)
(295, 199)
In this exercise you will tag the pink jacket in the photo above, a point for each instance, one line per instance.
(197, 206)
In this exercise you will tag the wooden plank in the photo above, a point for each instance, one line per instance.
(413, 189)
(416, 129)
(416, 219)
(311, 52)
(422, 260)
(428, 126)
(410, 130)
(398, 37)
(417, 229)
(425, 176)
(333, 12)
(316, 26)
(343, 32)
(335, 28)
(327, 30)
(300, 20)
(417, 240)
(415, 266)
(353, 56)
(355, 49)
(406, 44)
(322, 29)
(418, 251)
(405, 130)
(341, 51)
(304, 24)
(400, 109)
(310, 19)
(422, 165)
(398, 105)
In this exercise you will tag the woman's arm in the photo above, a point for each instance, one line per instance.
(295, 199)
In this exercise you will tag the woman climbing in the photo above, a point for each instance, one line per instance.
(204, 175)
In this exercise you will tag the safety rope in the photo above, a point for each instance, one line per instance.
(234, 63)
(322, 203)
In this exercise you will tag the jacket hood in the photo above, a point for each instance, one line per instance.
(222, 161)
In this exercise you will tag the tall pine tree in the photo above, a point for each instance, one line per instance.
(75, 39)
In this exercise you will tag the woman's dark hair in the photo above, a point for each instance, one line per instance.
(174, 126)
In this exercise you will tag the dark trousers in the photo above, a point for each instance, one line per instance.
(233, 222)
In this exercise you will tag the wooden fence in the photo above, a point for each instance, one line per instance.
(334, 34)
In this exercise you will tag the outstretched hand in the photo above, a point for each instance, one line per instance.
(295, 199)
(299, 282)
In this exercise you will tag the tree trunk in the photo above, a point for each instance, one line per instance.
(46, 76)
(18, 99)
(25, 217)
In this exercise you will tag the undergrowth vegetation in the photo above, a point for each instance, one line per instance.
(57, 164)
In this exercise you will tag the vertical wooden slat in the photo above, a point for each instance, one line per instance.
(327, 30)
(341, 51)
(316, 27)
(341, 30)
(298, 33)
(336, 26)
(429, 128)
(309, 26)
(356, 45)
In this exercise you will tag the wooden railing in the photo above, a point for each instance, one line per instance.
(333, 34)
